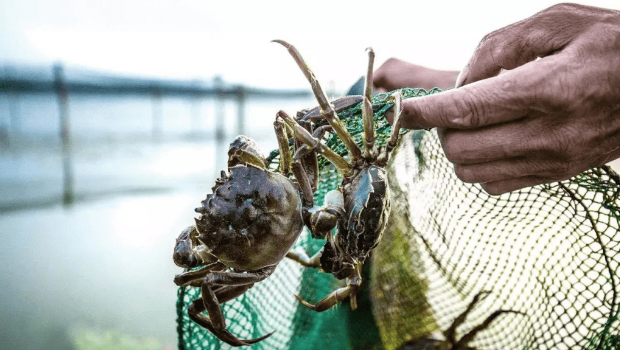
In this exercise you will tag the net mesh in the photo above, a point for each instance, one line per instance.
(548, 253)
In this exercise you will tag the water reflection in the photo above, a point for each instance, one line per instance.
(103, 265)
(99, 273)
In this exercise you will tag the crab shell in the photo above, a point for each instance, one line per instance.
(252, 219)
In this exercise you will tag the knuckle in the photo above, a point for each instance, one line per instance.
(555, 94)
(471, 111)
(412, 116)
(564, 142)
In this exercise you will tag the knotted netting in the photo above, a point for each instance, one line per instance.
(547, 255)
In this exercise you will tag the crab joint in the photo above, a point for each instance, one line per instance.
(313, 143)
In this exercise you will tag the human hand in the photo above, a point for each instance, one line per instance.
(395, 74)
(541, 120)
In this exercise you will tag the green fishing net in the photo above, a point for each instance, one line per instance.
(548, 253)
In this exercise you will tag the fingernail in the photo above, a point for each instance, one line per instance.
(460, 80)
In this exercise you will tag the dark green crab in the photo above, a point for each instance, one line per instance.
(245, 228)
(359, 208)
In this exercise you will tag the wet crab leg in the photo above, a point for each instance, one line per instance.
(228, 293)
(306, 157)
(329, 301)
(307, 196)
(318, 134)
(467, 338)
(336, 296)
(303, 259)
(327, 110)
(286, 159)
(302, 134)
(395, 134)
(367, 115)
(285, 152)
(190, 276)
(450, 333)
(384, 156)
(216, 322)
(194, 312)
(340, 104)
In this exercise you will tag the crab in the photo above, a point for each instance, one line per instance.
(245, 228)
(450, 342)
(254, 215)
(359, 209)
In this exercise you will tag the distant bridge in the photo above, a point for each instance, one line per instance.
(25, 80)
(102, 84)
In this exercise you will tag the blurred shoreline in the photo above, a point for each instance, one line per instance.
(107, 135)
(98, 271)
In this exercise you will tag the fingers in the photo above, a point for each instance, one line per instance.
(512, 174)
(395, 74)
(501, 187)
(538, 36)
(526, 136)
(485, 103)
(508, 169)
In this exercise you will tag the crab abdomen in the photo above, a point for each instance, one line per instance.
(367, 207)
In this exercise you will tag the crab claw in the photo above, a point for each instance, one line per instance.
(230, 339)
(329, 301)
(304, 303)
(195, 313)
(182, 255)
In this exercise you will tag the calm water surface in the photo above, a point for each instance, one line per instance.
(103, 265)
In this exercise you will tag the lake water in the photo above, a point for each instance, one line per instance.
(98, 273)
(122, 144)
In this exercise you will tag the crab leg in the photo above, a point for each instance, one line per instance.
(318, 134)
(216, 323)
(395, 134)
(367, 115)
(228, 293)
(308, 158)
(450, 333)
(285, 152)
(336, 296)
(307, 196)
(398, 100)
(467, 338)
(190, 276)
(304, 260)
(195, 313)
(314, 143)
(327, 110)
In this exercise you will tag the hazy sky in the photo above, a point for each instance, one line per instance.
(198, 39)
